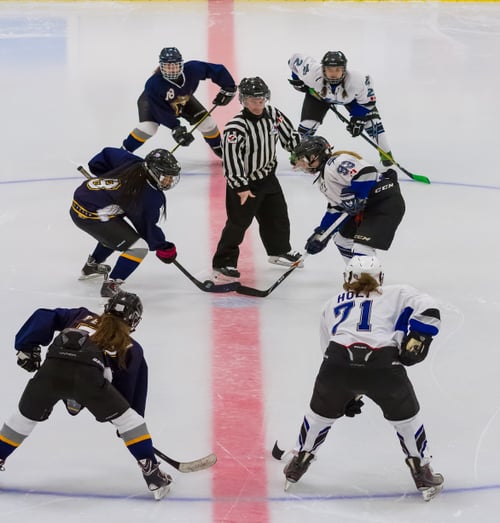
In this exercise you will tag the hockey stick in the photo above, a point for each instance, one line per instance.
(188, 466)
(198, 123)
(415, 177)
(250, 291)
(207, 285)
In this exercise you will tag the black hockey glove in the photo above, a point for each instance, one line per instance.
(30, 360)
(314, 244)
(224, 96)
(181, 136)
(356, 125)
(351, 204)
(353, 407)
(298, 85)
(414, 348)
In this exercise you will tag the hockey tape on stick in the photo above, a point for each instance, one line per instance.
(188, 466)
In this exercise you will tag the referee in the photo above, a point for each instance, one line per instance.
(253, 190)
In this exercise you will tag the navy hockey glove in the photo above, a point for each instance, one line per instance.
(353, 407)
(181, 136)
(168, 254)
(298, 85)
(356, 125)
(314, 244)
(351, 204)
(224, 96)
(414, 348)
(30, 360)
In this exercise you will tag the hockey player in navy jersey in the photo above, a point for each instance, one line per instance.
(168, 98)
(371, 199)
(330, 82)
(121, 208)
(94, 363)
(368, 334)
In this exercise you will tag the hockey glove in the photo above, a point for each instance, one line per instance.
(414, 348)
(181, 136)
(356, 125)
(298, 85)
(351, 204)
(168, 254)
(30, 360)
(314, 244)
(224, 96)
(353, 407)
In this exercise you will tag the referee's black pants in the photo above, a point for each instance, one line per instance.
(271, 212)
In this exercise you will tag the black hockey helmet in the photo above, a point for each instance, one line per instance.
(127, 307)
(171, 56)
(162, 169)
(253, 87)
(310, 149)
(334, 59)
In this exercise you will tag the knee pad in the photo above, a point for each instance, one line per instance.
(20, 425)
(345, 246)
(145, 130)
(208, 128)
(308, 127)
(137, 251)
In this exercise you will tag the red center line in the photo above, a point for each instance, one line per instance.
(239, 479)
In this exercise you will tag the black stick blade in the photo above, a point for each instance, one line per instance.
(277, 452)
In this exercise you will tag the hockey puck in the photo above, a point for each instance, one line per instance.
(208, 284)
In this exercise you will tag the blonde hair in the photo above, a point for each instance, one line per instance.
(366, 283)
(352, 153)
(112, 334)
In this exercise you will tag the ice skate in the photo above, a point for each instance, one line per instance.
(110, 288)
(92, 269)
(156, 480)
(287, 260)
(428, 483)
(297, 467)
(223, 275)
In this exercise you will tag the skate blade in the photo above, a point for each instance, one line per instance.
(431, 492)
(91, 276)
(161, 492)
(288, 484)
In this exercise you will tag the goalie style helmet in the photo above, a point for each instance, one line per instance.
(163, 169)
(364, 265)
(310, 149)
(127, 307)
(253, 87)
(334, 59)
(171, 63)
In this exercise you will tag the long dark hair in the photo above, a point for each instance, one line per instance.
(133, 178)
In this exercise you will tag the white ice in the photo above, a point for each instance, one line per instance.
(71, 74)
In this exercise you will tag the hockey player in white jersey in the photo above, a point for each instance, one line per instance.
(372, 199)
(330, 82)
(368, 335)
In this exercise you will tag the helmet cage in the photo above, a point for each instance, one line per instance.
(162, 169)
(253, 87)
(334, 59)
(171, 63)
(311, 148)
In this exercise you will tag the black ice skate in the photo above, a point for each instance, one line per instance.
(428, 483)
(92, 269)
(156, 480)
(223, 275)
(287, 259)
(297, 467)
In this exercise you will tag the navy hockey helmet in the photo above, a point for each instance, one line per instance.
(162, 169)
(334, 59)
(359, 265)
(310, 149)
(253, 87)
(127, 307)
(171, 63)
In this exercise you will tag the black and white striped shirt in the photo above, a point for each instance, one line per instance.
(249, 146)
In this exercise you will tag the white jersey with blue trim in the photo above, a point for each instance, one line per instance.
(354, 86)
(378, 320)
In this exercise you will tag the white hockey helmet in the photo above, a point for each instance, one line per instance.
(364, 265)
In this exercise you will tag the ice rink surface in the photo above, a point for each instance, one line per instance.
(71, 74)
